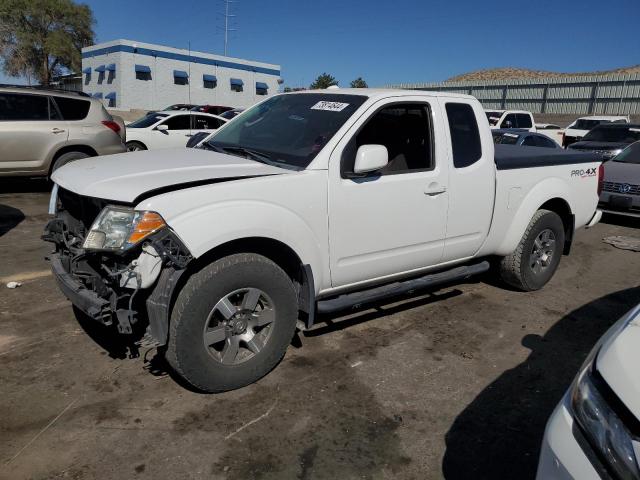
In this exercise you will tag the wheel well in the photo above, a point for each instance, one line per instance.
(72, 148)
(281, 254)
(562, 208)
(136, 141)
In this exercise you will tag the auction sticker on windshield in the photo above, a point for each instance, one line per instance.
(330, 106)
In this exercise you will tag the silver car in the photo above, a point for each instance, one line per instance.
(621, 187)
(41, 130)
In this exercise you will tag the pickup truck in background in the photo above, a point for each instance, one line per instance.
(309, 202)
(578, 129)
(500, 119)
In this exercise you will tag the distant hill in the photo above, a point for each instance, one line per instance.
(511, 73)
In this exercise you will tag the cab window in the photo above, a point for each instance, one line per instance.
(405, 130)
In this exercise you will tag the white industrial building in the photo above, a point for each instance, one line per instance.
(134, 75)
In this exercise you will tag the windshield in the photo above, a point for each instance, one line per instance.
(493, 117)
(147, 121)
(631, 154)
(606, 133)
(505, 138)
(288, 130)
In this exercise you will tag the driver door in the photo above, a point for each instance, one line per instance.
(391, 221)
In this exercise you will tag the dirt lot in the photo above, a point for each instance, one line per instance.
(455, 384)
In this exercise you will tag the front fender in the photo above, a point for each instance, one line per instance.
(210, 226)
(526, 205)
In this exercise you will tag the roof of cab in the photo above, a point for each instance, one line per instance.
(382, 92)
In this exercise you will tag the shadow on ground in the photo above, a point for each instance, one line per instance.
(24, 185)
(499, 434)
(621, 220)
(9, 218)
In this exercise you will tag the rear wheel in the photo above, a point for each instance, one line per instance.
(232, 322)
(134, 146)
(537, 256)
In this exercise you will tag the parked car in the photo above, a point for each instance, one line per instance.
(621, 186)
(304, 207)
(232, 113)
(608, 139)
(176, 107)
(578, 129)
(169, 129)
(554, 132)
(43, 129)
(511, 119)
(593, 433)
(213, 109)
(522, 138)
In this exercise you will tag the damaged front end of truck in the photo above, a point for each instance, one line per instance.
(118, 265)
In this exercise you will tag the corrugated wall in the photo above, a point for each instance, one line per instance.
(589, 95)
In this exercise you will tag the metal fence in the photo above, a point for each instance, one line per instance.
(614, 94)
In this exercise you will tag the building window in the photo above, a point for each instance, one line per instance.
(143, 72)
(209, 81)
(180, 77)
(112, 99)
(237, 85)
(262, 88)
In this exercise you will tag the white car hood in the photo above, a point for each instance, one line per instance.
(618, 363)
(126, 176)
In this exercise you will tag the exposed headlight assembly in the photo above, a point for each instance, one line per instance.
(605, 431)
(592, 409)
(119, 228)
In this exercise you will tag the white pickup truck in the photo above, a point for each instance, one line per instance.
(520, 119)
(309, 202)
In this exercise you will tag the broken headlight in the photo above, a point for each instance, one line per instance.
(119, 228)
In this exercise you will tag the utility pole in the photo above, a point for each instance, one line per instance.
(227, 17)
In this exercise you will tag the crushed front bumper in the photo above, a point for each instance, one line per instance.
(86, 300)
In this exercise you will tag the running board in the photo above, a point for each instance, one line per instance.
(364, 297)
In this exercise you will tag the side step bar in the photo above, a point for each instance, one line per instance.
(364, 297)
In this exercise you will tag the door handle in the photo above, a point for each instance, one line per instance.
(434, 188)
(57, 130)
(189, 135)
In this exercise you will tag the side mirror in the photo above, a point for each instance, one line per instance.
(370, 158)
(162, 128)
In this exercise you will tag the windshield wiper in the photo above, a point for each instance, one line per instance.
(252, 154)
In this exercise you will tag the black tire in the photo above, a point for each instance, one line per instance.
(134, 146)
(67, 158)
(186, 350)
(519, 268)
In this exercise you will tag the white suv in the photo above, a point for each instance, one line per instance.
(41, 130)
(583, 125)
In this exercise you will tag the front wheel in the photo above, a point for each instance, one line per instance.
(537, 256)
(232, 322)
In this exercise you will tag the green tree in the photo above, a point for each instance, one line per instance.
(43, 38)
(359, 83)
(323, 81)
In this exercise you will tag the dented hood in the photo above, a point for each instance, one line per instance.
(125, 177)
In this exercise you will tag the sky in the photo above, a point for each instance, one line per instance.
(388, 42)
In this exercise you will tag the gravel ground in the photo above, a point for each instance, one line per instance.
(457, 383)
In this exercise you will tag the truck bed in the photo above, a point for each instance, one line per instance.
(508, 157)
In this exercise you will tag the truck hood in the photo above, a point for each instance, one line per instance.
(621, 172)
(618, 363)
(126, 177)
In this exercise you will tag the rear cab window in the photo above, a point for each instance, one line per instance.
(465, 136)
